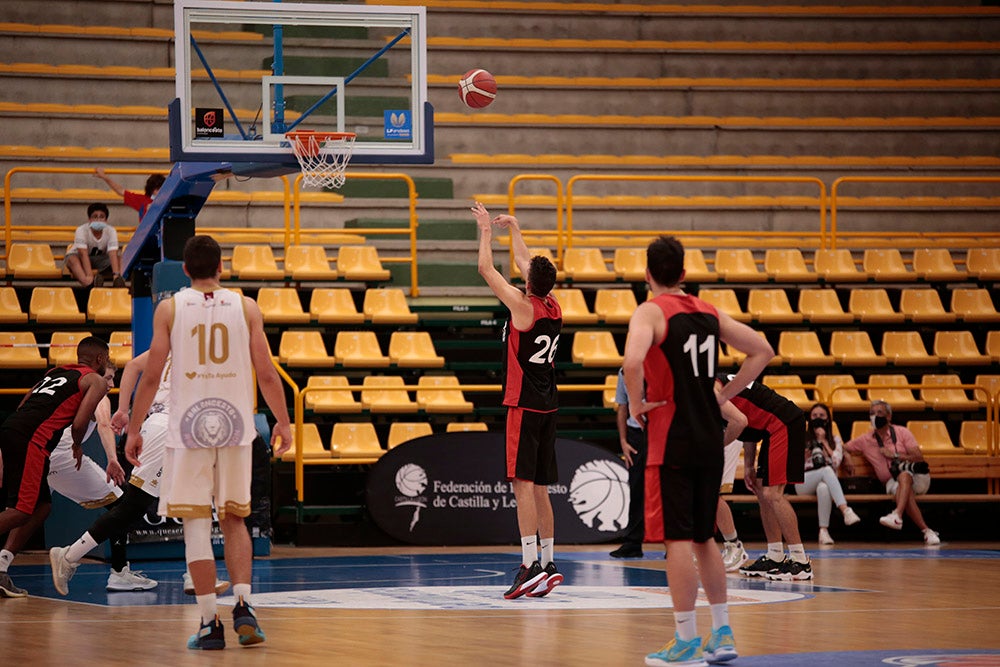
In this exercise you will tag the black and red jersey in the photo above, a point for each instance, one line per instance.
(680, 369)
(50, 406)
(529, 358)
(765, 409)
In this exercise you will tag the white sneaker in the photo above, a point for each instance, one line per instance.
(734, 555)
(892, 520)
(931, 538)
(129, 580)
(62, 569)
(850, 518)
(220, 586)
(824, 536)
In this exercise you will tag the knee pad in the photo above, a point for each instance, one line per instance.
(198, 540)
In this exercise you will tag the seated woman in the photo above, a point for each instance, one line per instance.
(824, 454)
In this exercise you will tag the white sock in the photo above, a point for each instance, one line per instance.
(529, 550)
(776, 551)
(548, 546)
(731, 538)
(797, 552)
(686, 625)
(242, 591)
(207, 606)
(80, 548)
(720, 615)
(6, 558)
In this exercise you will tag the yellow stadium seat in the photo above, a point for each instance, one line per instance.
(359, 349)
(615, 306)
(848, 398)
(255, 262)
(948, 397)
(413, 349)
(630, 264)
(595, 348)
(574, 307)
(334, 306)
(958, 348)
(360, 262)
(983, 263)
(20, 350)
(387, 306)
(308, 262)
(586, 265)
(384, 393)
(731, 355)
(281, 305)
(859, 428)
(696, 268)
(822, 306)
(854, 348)
(312, 444)
(974, 436)
(466, 427)
(62, 346)
(32, 261)
(401, 432)
(608, 395)
(334, 397)
(993, 345)
(906, 348)
(354, 441)
(974, 305)
(441, 393)
(784, 385)
(120, 344)
(991, 384)
(725, 301)
(802, 348)
(771, 306)
(787, 265)
(923, 305)
(886, 265)
(539, 252)
(873, 306)
(738, 265)
(54, 305)
(10, 307)
(936, 264)
(109, 305)
(837, 266)
(300, 349)
(932, 436)
(892, 389)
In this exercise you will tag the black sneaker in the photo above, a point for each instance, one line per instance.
(760, 567)
(210, 637)
(545, 586)
(10, 590)
(245, 624)
(791, 570)
(627, 551)
(525, 581)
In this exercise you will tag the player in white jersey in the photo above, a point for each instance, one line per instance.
(216, 341)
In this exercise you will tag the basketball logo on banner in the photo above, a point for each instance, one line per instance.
(411, 481)
(599, 494)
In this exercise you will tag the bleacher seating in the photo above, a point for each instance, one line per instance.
(923, 305)
(120, 344)
(983, 263)
(413, 349)
(32, 261)
(466, 427)
(771, 306)
(281, 305)
(614, 306)
(854, 348)
(54, 305)
(400, 432)
(441, 394)
(62, 346)
(837, 266)
(932, 436)
(846, 396)
(936, 264)
(331, 395)
(872, 306)
(304, 349)
(974, 305)
(385, 393)
(787, 386)
(359, 349)
(255, 262)
(586, 265)
(574, 306)
(387, 306)
(787, 265)
(725, 301)
(630, 264)
(312, 444)
(949, 396)
(906, 348)
(958, 348)
(10, 307)
(893, 390)
(886, 265)
(595, 348)
(360, 262)
(738, 265)
(109, 305)
(19, 349)
(308, 262)
(334, 306)
(802, 348)
(822, 306)
(355, 440)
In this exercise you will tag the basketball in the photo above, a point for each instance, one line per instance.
(411, 480)
(477, 88)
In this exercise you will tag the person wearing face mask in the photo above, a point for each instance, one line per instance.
(95, 247)
(895, 457)
(824, 454)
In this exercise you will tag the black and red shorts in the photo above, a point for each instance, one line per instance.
(25, 472)
(681, 502)
(531, 446)
(782, 458)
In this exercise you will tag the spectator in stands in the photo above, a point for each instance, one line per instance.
(824, 455)
(895, 457)
(632, 439)
(140, 202)
(95, 246)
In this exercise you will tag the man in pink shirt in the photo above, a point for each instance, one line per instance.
(895, 457)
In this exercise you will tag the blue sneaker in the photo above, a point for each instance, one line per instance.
(210, 637)
(720, 647)
(245, 624)
(678, 652)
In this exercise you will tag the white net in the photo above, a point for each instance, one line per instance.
(323, 156)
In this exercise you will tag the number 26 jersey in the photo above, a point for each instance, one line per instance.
(529, 358)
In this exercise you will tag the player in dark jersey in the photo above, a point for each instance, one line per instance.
(780, 426)
(673, 343)
(66, 396)
(529, 393)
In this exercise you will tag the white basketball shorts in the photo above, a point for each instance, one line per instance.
(195, 478)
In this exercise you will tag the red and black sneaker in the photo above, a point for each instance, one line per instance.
(525, 581)
(551, 580)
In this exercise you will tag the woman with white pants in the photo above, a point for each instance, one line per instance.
(824, 455)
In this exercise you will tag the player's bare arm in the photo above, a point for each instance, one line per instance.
(267, 378)
(95, 388)
(642, 329)
(515, 300)
(133, 369)
(750, 466)
(736, 421)
(107, 437)
(521, 255)
(759, 354)
(159, 348)
(114, 185)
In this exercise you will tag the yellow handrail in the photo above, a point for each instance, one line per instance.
(512, 186)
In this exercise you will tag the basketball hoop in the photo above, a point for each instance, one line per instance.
(323, 156)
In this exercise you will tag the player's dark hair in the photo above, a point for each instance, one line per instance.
(154, 183)
(91, 346)
(98, 206)
(202, 255)
(541, 275)
(665, 261)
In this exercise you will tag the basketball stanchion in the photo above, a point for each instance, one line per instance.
(323, 156)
